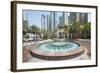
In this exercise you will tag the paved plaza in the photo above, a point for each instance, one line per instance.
(27, 57)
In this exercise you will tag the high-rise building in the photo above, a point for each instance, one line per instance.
(51, 21)
(89, 17)
(83, 18)
(72, 17)
(47, 23)
(53, 16)
(60, 21)
(77, 17)
(49, 26)
(64, 19)
(54, 20)
(43, 23)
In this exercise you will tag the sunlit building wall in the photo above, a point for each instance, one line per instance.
(43, 23)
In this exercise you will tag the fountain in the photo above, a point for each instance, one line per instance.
(57, 50)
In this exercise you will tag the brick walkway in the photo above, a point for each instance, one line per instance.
(28, 58)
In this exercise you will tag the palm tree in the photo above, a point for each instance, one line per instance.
(81, 30)
(25, 27)
(35, 30)
(86, 30)
(76, 29)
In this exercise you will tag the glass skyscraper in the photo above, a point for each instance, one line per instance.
(49, 23)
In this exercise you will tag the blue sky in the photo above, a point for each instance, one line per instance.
(34, 17)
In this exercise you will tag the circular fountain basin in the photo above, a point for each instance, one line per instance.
(58, 43)
(58, 46)
(57, 50)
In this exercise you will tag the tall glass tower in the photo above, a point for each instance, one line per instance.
(43, 23)
(83, 18)
(77, 17)
(52, 21)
